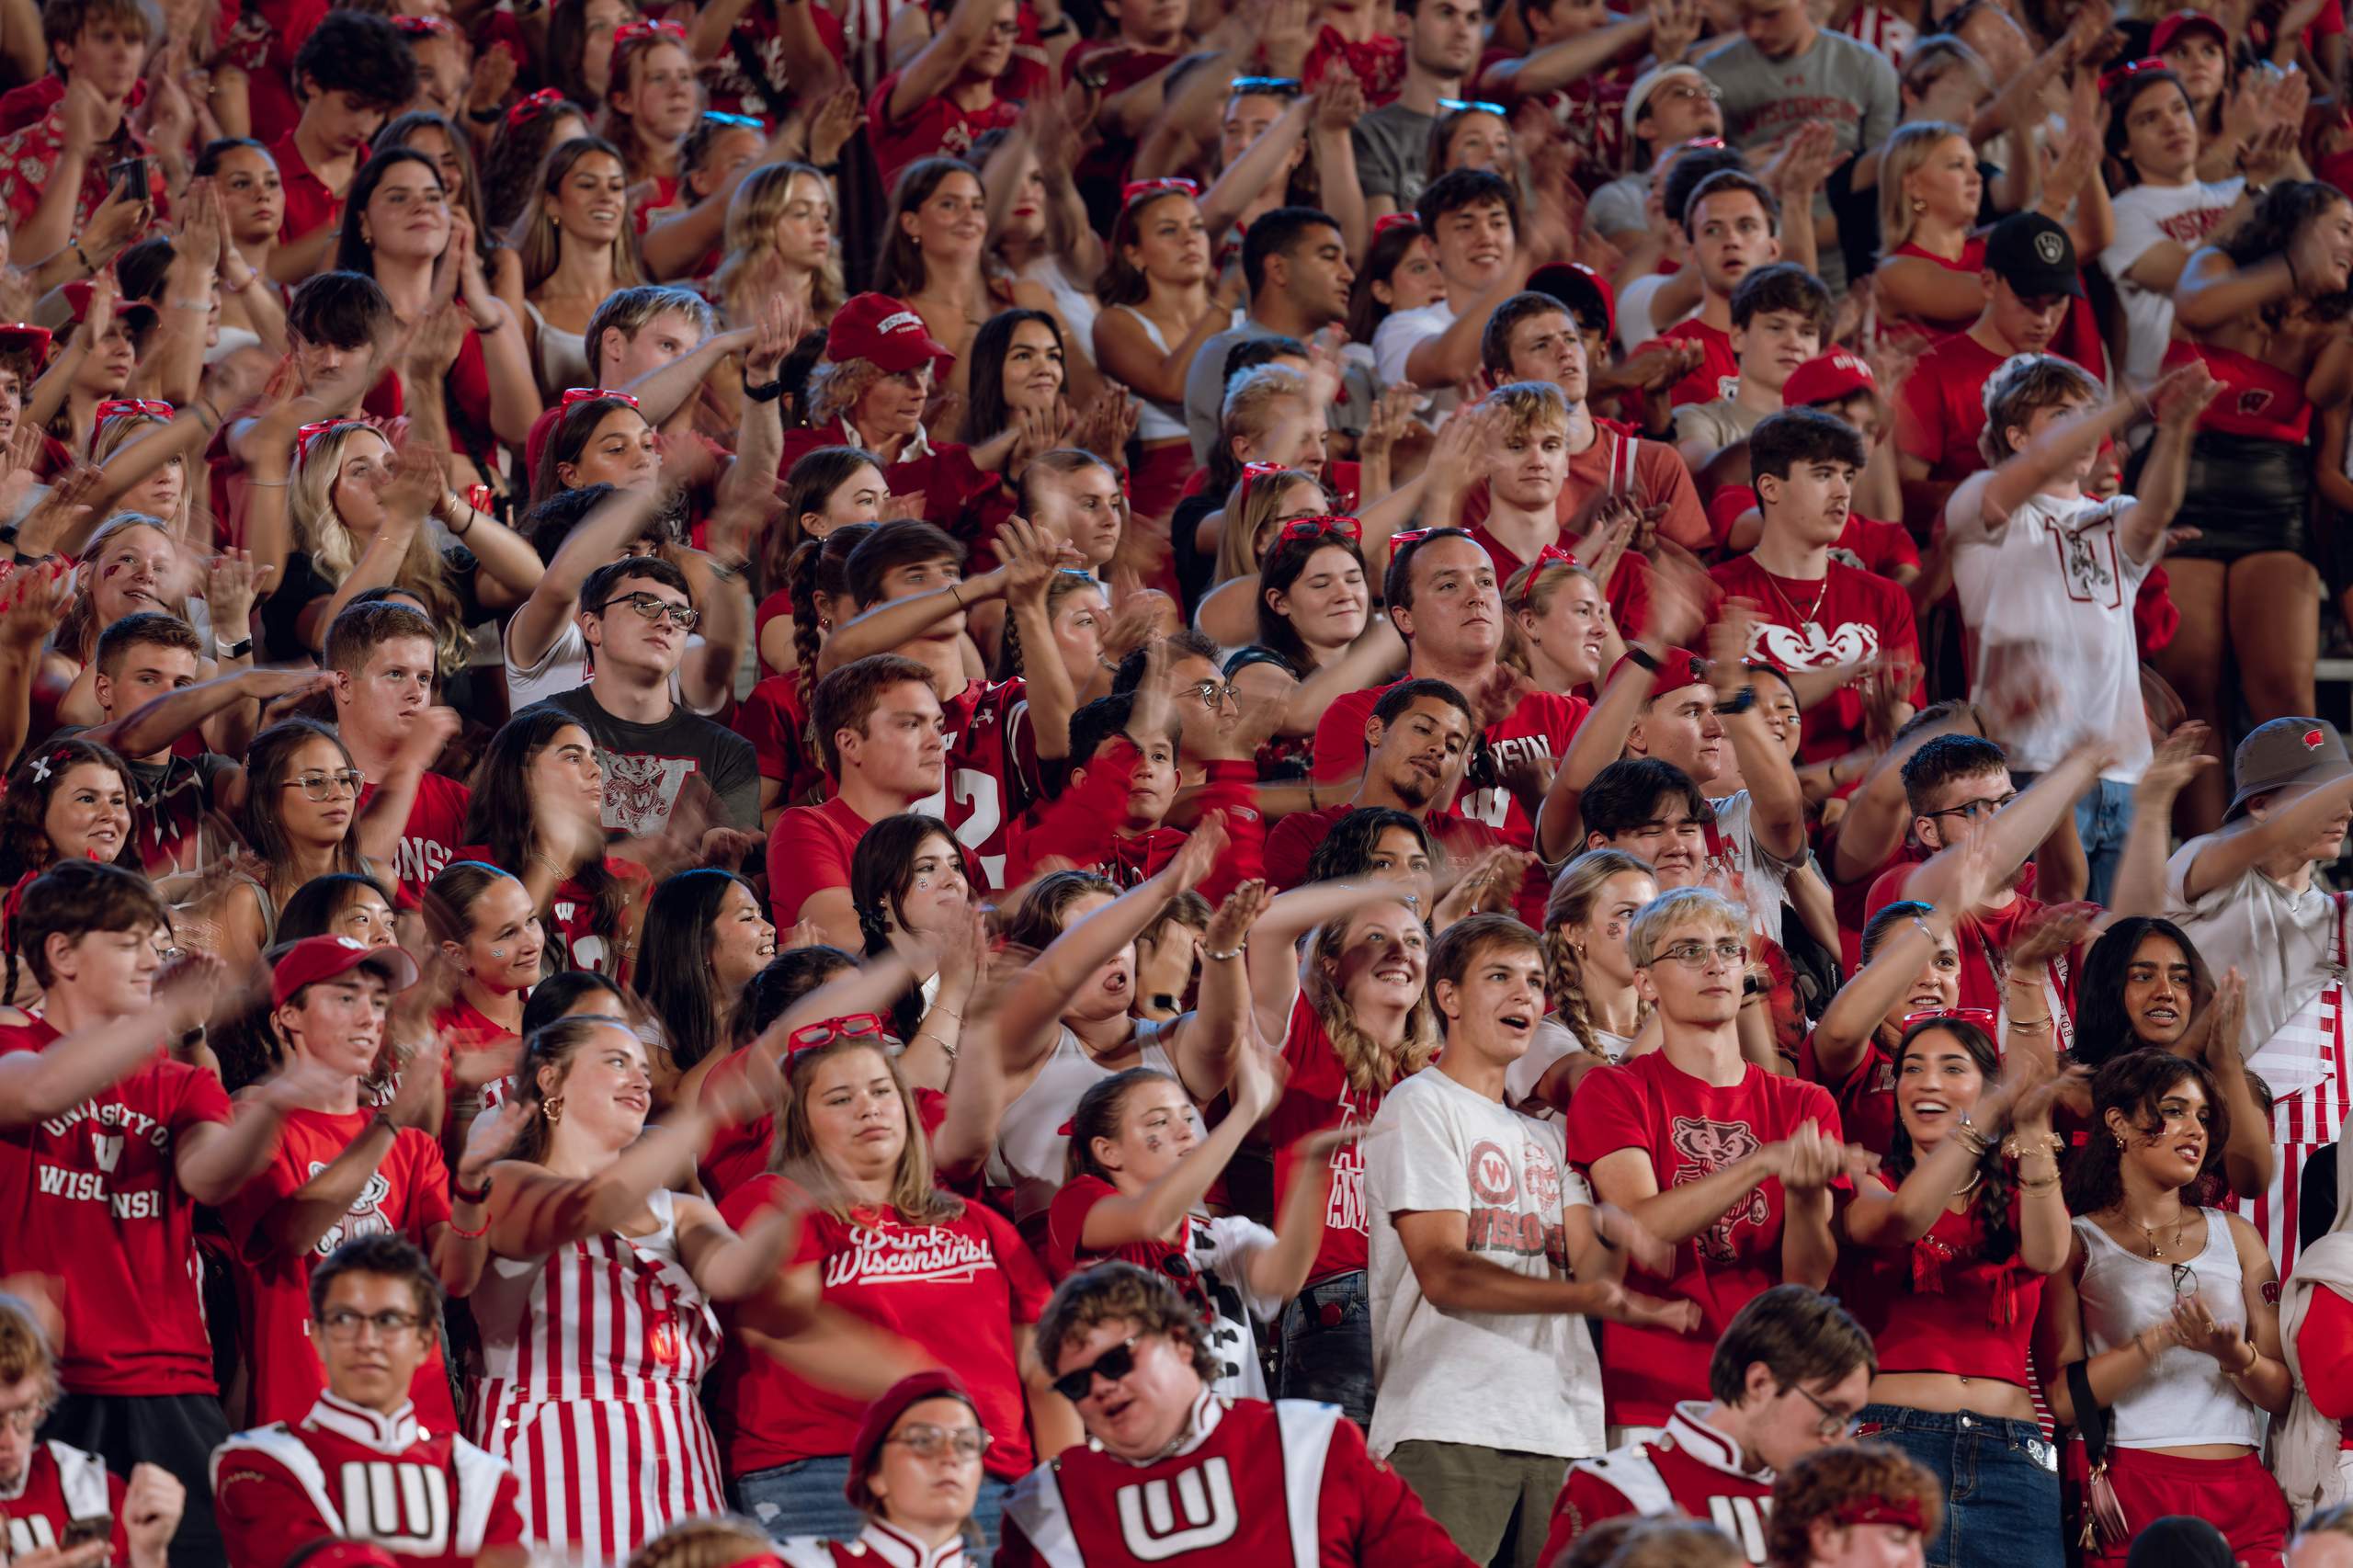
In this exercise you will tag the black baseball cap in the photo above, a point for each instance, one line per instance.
(2033, 256)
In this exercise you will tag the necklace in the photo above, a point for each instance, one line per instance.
(1805, 617)
(2149, 1232)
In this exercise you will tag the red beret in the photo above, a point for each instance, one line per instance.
(884, 1413)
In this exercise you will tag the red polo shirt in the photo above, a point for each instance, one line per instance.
(309, 202)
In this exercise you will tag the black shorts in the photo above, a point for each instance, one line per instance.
(177, 1431)
(2246, 496)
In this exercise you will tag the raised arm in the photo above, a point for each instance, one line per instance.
(533, 1210)
(38, 1085)
(2177, 401)
(1208, 1042)
(935, 66)
(1778, 802)
(1122, 1219)
(600, 537)
(2016, 830)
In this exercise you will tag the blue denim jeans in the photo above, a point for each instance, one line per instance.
(2102, 819)
(1327, 1347)
(805, 1498)
(2001, 1482)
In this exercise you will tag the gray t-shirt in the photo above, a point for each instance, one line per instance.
(1836, 78)
(1394, 152)
(1205, 384)
(647, 764)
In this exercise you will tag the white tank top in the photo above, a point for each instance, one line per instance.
(1158, 421)
(2185, 1398)
(1028, 1159)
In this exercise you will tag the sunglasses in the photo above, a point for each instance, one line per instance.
(1389, 220)
(1982, 1016)
(825, 1032)
(1316, 528)
(1472, 106)
(721, 116)
(311, 432)
(2126, 72)
(130, 408)
(1266, 86)
(1166, 185)
(587, 394)
(1111, 1366)
(642, 30)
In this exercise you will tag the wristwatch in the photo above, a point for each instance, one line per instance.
(767, 393)
(236, 650)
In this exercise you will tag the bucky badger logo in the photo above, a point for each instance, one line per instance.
(365, 1217)
(640, 791)
(1707, 1147)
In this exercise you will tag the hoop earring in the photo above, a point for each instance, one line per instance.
(554, 1110)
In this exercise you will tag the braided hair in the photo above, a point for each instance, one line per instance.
(1574, 894)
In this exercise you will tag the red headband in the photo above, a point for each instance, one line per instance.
(531, 107)
(1166, 185)
(1902, 1512)
(425, 27)
(648, 32)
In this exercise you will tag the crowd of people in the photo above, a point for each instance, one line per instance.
(1114, 783)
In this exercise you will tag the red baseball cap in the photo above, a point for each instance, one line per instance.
(2173, 27)
(885, 331)
(23, 337)
(77, 300)
(1574, 284)
(315, 959)
(1828, 377)
(1678, 667)
(938, 1383)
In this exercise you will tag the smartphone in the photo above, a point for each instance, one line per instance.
(131, 176)
(96, 1526)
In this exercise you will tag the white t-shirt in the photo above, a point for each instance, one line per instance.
(2147, 215)
(1764, 878)
(1636, 326)
(2285, 944)
(563, 668)
(1554, 1040)
(1393, 345)
(1441, 1375)
(2055, 585)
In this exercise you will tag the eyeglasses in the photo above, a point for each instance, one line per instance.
(651, 609)
(530, 106)
(343, 1323)
(1215, 693)
(926, 1441)
(2184, 1281)
(587, 394)
(1832, 1424)
(1975, 810)
(1473, 106)
(132, 407)
(1266, 86)
(1693, 954)
(825, 1032)
(721, 116)
(1111, 1366)
(1316, 527)
(25, 1422)
(328, 786)
(1167, 184)
(1982, 1016)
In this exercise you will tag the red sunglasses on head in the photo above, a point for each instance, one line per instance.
(531, 107)
(825, 1032)
(1389, 220)
(125, 407)
(311, 432)
(1165, 185)
(425, 27)
(1982, 1016)
(634, 32)
(588, 394)
(1553, 553)
(1316, 527)
(2131, 69)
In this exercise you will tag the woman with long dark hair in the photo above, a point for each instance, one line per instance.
(537, 801)
(934, 242)
(829, 488)
(1162, 301)
(452, 151)
(1953, 1240)
(704, 936)
(1313, 607)
(2168, 1310)
(301, 807)
(253, 206)
(397, 226)
(510, 169)
(2264, 308)
(910, 886)
(775, 717)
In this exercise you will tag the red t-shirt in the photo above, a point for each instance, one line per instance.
(407, 1197)
(1984, 938)
(310, 205)
(1939, 1305)
(954, 1290)
(1540, 726)
(1317, 1095)
(61, 1485)
(1690, 1130)
(430, 840)
(1844, 618)
(1653, 474)
(1864, 542)
(467, 1030)
(1940, 408)
(774, 719)
(90, 1197)
(809, 851)
(1718, 375)
(936, 127)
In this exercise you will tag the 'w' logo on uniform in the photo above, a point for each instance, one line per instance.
(109, 1152)
(1148, 1513)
